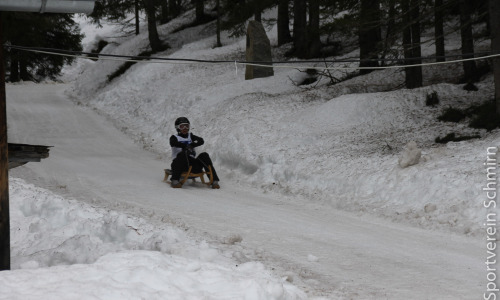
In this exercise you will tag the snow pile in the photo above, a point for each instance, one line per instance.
(69, 250)
(337, 145)
(410, 155)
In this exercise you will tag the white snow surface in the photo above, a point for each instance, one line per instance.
(313, 202)
(66, 249)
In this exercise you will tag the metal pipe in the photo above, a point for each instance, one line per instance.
(50, 6)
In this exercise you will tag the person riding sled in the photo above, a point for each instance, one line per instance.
(184, 155)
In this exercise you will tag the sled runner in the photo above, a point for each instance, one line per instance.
(190, 175)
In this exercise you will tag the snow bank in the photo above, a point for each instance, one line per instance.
(69, 250)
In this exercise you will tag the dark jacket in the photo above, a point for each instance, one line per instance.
(195, 141)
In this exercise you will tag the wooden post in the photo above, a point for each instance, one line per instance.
(4, 168)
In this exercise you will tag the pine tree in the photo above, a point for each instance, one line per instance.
(136, 16)
(470, 70)
(390, 30)
(416, 28)
(57, 31)
(200, 11)
(174, 8)
(300, 28)
(369, 33)
(313, 34)
(284, 35)
(411, 42)
(218, 25)
(438, 29)
(154, 39)
(115, 10)
(236, 14)
(164, 16)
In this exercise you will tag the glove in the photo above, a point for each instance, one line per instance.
(189, 149)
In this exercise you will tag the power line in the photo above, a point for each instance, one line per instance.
(140, 58)
(268, 64)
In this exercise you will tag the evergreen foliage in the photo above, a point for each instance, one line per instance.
(452, 115)
(124, 67)
(113, 10)
(39, 30)
(432, 99)
(99, 47)
(381, 29)
(452, 137)
(485, 116)
(236, 13)
(482, 116)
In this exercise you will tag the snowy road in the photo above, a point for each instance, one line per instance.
(326, 252)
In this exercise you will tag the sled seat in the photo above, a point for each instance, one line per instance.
(189, 175)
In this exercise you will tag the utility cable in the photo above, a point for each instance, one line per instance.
(272, 64)
(139, 58)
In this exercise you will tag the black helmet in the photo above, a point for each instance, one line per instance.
(179, 121)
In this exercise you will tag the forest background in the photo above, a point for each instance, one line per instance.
(387, 33)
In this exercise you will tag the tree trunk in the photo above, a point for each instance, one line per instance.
(258, 16)
(200, 11)
(314, 42)
(470, 71)
(23, 69)
(14, 66)
(136, 9)
(438, 30)
(154, 39)
(484, 12)
(164, 12)
(173, 8)
(415, 40)
(494, 7)
(369, 34)
(284, 35)
(391, 23)
(257, 10)
(405, 6)
(412, 79)
(217, 3)
(300, 28)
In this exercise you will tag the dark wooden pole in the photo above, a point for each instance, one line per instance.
(4, 168)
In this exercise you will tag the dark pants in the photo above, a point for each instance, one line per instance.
(182, 162)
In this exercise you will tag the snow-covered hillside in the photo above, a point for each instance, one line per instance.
(335, 145)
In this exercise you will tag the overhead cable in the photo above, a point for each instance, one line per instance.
(268, 64)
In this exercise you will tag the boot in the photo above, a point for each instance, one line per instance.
(176, 184)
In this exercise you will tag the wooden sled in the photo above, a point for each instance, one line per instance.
(189, 175)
